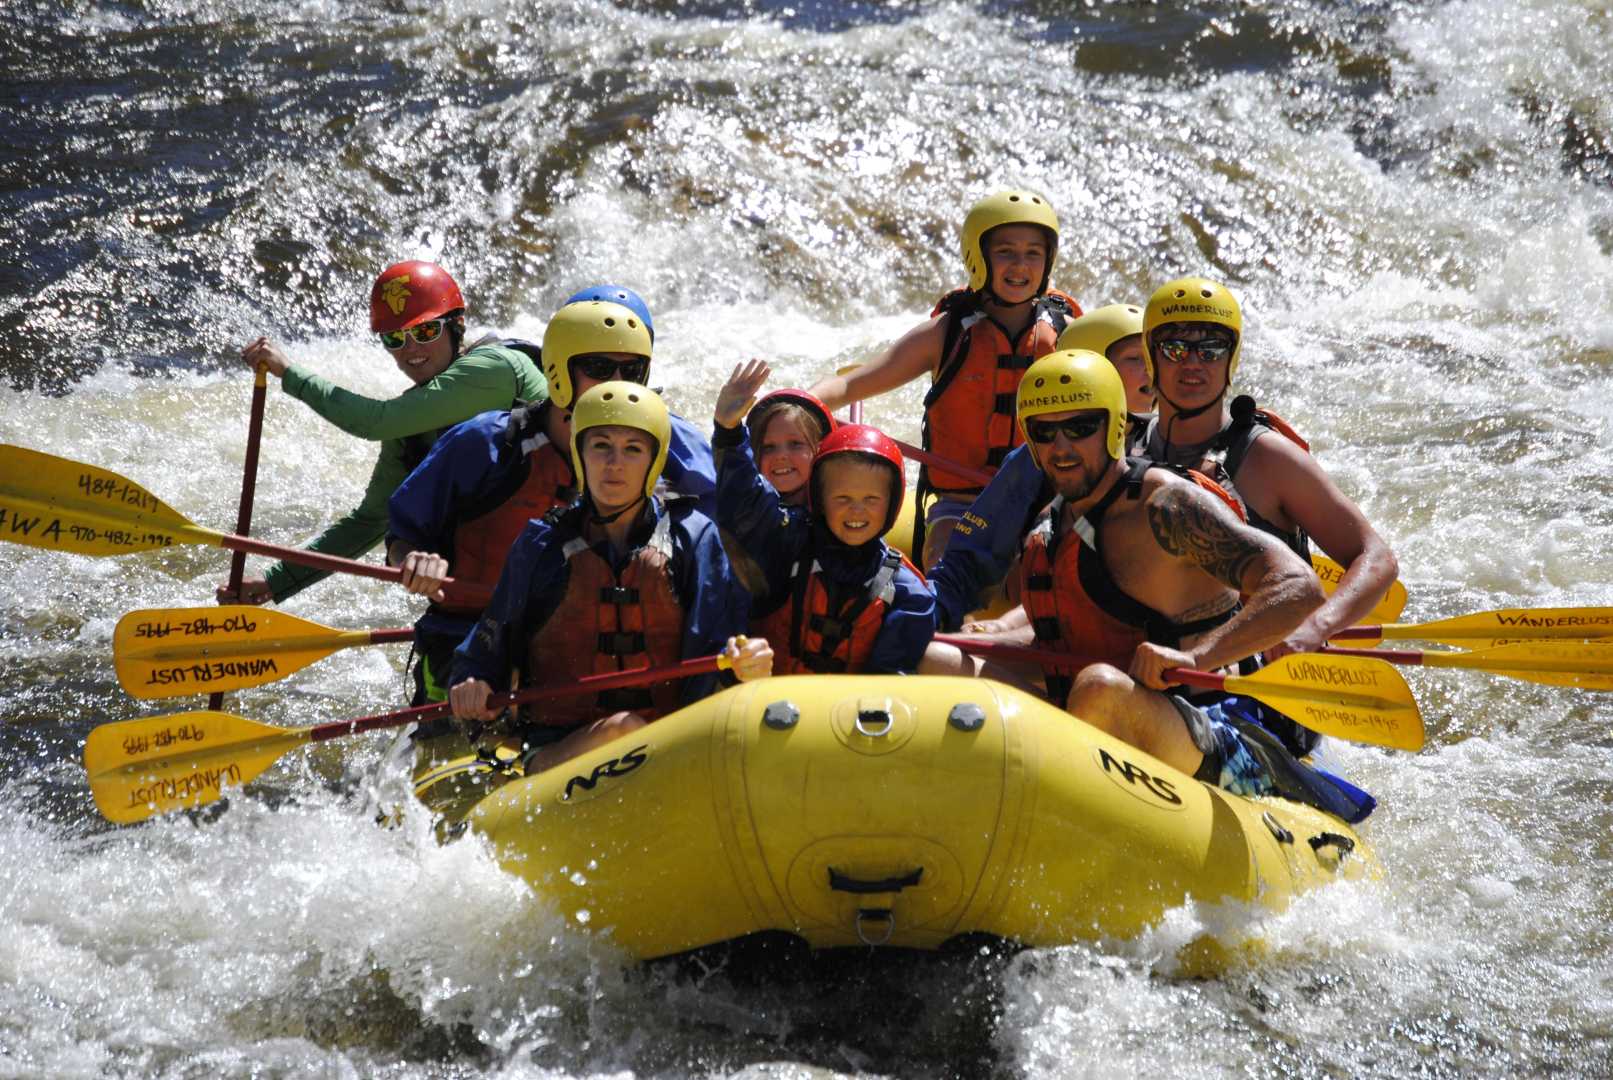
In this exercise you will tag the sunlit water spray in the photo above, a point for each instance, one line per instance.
(1415, 206)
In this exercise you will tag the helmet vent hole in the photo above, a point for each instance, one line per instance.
(1206, 293)
(1064, 378)
(607, 396)
(1180, 293)
(610, 321)
(1040, 382)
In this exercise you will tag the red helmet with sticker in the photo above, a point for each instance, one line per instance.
(869, 443)
(409, 293)
(799, 398)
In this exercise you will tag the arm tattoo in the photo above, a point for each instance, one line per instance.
(1187, 525)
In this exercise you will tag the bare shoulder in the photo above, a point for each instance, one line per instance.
(1304, 494)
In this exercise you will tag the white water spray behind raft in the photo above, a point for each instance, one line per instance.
(1415, 205)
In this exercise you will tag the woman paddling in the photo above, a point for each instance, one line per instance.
(419, 314)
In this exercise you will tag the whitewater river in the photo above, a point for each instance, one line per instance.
(1414, 202)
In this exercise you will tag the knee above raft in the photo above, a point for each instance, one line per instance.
(1099, 695)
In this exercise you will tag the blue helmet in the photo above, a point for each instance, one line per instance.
(618, 294)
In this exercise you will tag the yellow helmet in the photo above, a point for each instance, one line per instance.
(1192, 299)
(1100, 328)
(1006, 208)
(1074, 379)
(622, 404)
(590, 326)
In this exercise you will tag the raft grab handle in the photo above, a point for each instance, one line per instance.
(1332, 839)
(861, 887)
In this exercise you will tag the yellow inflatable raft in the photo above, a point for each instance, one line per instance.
(856, 810)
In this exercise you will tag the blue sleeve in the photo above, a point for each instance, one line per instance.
(716, 606)
(690, 469)
(987, 538)
(772, 534)
(466, 460)
(498, 641)
(908, 626)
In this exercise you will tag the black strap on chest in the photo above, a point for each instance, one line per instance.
(1231, 446)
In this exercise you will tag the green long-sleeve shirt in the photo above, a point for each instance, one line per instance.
(486, 377)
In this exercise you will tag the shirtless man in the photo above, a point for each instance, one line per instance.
(1138, 568)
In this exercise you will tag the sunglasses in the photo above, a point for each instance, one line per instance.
(1075, 428)
(604, 369)
(425, 334)
(1209, 350)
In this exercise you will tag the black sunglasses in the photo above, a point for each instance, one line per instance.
(604, 369)
(1075, 428)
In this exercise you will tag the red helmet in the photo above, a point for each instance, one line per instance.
(869, 442)
(801, 398)
(409, 293)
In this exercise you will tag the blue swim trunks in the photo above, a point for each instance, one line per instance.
(1242, 757)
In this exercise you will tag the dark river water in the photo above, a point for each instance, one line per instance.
(1414, 202)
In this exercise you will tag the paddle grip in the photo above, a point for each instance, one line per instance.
(1393, 656)
(936, 461)
(466, 595)
(249, 487)
(588, 684)
(1351, 633)
(1049, 658)
(1205, 680)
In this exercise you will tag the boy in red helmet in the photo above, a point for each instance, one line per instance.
(837, 598)
(419, 314)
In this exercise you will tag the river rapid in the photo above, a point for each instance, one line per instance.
(1414, 203)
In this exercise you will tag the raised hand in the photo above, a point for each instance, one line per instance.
(738, 394)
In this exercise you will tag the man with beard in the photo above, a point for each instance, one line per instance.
(1137, 569)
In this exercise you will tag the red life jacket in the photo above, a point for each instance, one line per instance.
(482, 541)
(1073, 601)
(607, 622)
(826, 628)
(970, 408)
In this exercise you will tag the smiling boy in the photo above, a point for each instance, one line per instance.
(835, 597)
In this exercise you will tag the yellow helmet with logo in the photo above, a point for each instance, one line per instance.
(1006, 208)
(1192, 299)
(622, 404)
(1100, 328)
(1071, 380)
(590, 326)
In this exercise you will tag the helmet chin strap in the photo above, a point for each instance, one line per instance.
(1186, 414)
(595, 518)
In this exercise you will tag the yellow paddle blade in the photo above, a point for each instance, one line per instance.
(1386, 610)
(172, 652)
(1586, 664)
(1488, 629)
(1350, 697)
(61, 505)
(158, 764)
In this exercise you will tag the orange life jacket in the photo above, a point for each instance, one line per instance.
(970, 408)
(607, 622)
(482, 541)
(1073, 602)
(829, 629)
